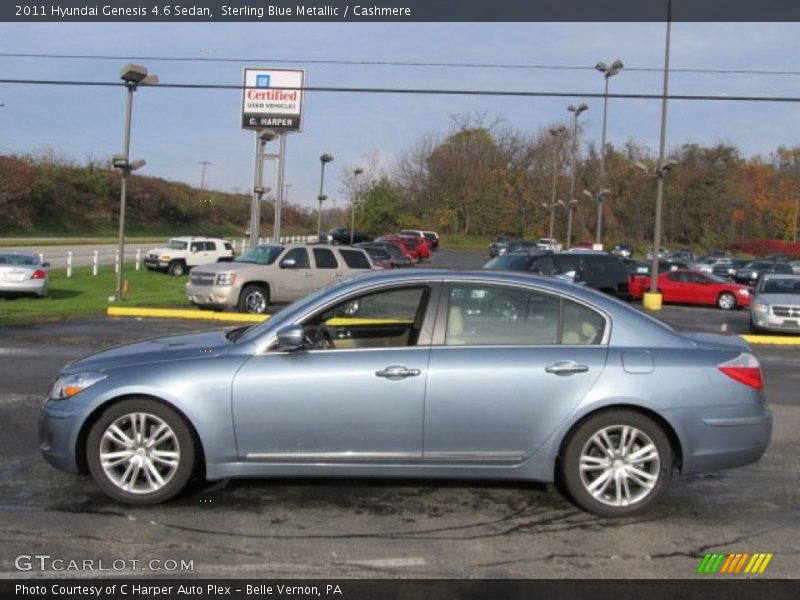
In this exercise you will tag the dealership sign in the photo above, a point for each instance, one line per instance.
(272, 99)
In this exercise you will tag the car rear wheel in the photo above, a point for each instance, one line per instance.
(726, 301)
(617, 463)
(177, 268)
(140, 452)
(254, 299)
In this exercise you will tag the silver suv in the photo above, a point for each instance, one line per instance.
(272, 274)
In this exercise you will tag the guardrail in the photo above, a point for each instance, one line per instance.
(107, 257)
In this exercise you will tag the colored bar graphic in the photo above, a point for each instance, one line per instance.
(729, 564)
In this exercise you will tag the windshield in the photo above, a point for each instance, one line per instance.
(177, 245)
(511, 262)
(716, 279)
(780, 286)
(260, 255)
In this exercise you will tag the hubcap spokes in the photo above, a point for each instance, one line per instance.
(619, 465)
(255, 302)
(139, 453)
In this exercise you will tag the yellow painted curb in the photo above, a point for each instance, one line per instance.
(179, 313)
(772, 339)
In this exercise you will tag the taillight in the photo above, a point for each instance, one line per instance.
(38, 274)
(744, 369)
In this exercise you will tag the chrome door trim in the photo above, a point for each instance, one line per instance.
(333, 456)
(506, 455)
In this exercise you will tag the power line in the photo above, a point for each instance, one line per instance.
(383, 63)
(422, 91)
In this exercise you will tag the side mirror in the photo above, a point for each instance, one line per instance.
(288, 263)
(291, 338)
(45, 265)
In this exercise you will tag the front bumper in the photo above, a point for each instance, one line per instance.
(59, 425)
(154, 263)
(213, 295)
(772, 323)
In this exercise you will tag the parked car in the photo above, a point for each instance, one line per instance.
(381, 259)
(707, 265)
(342, 236)
(398, 257)
(662, 252)
(602, 272)
(270, 274)
(404, 245)
(776, 304)
(682, 255)
(182, 253)
(509, 246)
(750, 273)
(487, 375)
(433, 239)
(795, 264)
(728, 270)
(622, 250)
(583, 245)
(548, 244)
(643, 267)
(695, 287)
(22, 273)
(420, 244)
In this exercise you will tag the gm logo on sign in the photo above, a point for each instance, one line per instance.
(262, 81)
(734, 564)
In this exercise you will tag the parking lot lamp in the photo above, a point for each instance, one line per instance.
(608, 73)
(576, 111)
(555, 132)
(353, 203)
(325, 158)
(133, 76)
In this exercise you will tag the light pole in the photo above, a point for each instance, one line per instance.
(576, 111)
(262, 137)
(599, 198)
(133, 76)
(356, 172)
(608, 73)
(325, 158)
(555, 132)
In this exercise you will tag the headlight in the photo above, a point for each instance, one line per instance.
(760, 307)
(66, 386)
(226, 278)
(744, 292)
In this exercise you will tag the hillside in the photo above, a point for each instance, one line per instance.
(42, 197)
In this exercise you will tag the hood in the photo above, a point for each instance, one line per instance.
(163, 250)
(717, 341)
(192, 345)
(224, 267)
(781, 299)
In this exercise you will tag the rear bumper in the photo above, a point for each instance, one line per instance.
(30, 286)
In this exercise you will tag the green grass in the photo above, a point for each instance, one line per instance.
(84, 295)
(455, 241)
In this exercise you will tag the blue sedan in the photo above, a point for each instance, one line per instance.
(486, 375)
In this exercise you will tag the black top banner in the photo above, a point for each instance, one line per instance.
(269, 11)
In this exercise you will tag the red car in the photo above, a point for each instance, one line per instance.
(405, 245)
(421, 245)
(694, 287)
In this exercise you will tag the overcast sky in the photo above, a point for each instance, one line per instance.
(176, 129)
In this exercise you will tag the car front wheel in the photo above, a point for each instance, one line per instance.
(177, 268)
(254, 299)
(617, 463)
(140, 452)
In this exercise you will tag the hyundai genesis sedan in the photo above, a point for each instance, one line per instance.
(431, 374)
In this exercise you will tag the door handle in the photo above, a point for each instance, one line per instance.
(397, 372)
(566, 367)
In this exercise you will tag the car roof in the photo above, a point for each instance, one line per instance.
(780, 276)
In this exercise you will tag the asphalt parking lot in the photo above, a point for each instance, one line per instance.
(324, 528)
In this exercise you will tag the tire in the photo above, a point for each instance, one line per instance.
(726, 301)
(645, 481)
(152, 473)
(177, 268)
(254, 299)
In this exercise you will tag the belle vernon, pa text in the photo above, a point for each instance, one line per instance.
(126, 589)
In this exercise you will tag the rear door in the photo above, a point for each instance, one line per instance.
(327, 267)
(508, 365)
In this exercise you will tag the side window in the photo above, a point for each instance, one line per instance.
(498, 315)
(196, 246)
(544, 265)
(325, 258)
(228, 246)
(210, 246)
(484, 315)
(356, 259)
(675, 276)
(385, 319)
(581, 324)
(300, 256)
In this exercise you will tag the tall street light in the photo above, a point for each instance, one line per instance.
(608, 73)
(325, 158)
(555, 132)
(576, 111)
(356, 172)
(133, 76)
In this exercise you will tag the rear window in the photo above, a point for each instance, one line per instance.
(356, 259)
